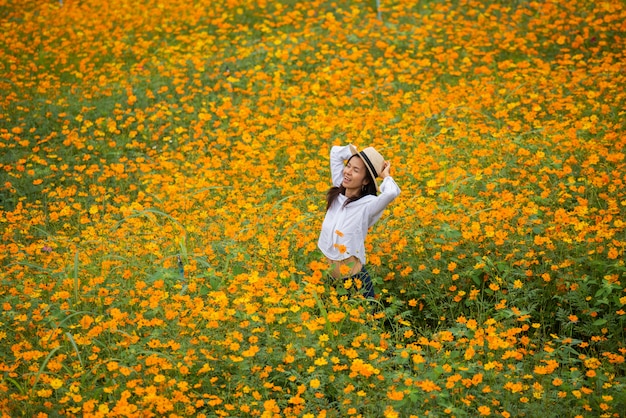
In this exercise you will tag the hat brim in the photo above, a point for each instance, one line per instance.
(355, 151)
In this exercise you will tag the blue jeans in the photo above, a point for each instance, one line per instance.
(367, 287)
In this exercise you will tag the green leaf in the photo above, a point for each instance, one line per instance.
(599, 322)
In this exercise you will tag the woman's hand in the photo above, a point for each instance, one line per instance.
(385, 172)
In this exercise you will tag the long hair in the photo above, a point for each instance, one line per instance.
(334, 192)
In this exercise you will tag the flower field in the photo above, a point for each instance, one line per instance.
(163, 169)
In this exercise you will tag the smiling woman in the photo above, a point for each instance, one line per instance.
(353, 206)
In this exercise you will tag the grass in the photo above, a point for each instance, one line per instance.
(163, 169)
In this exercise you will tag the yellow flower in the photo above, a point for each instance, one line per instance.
(44, 393)
(347, 284)
(320, 361)
(390, 413)
(56, 383)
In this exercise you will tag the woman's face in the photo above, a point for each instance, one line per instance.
(354, 174)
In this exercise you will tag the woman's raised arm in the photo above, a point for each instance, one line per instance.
(338, 154)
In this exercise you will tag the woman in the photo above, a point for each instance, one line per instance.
(352, 207)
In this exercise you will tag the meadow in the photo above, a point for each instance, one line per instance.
(163, 169)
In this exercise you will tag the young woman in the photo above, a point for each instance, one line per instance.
(353, 205)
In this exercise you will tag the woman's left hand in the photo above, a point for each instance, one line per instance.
(385, 172)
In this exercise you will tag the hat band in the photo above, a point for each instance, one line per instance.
(369, 163)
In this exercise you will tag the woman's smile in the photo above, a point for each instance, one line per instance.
(354, 174)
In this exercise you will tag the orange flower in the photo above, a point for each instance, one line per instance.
(359, 367)
(427, 386)
(342, 248)
(345, 270)
(336, 316)
(484, 410)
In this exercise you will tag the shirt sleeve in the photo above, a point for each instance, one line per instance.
(389, 190)
(338, 154)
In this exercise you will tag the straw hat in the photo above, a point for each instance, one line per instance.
(372, 159)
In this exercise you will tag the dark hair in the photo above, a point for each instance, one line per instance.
(335, 191)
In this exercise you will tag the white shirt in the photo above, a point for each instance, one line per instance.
(345, 227)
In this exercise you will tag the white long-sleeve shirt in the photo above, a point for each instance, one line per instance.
(345, 226)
